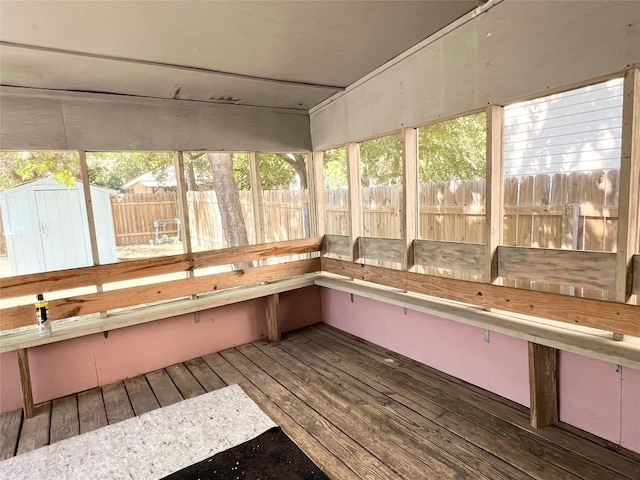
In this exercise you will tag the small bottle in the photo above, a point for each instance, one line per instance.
(42, 316)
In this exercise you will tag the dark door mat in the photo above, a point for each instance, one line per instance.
(270, 456)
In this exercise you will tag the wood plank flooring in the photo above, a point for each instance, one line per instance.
(357, 410)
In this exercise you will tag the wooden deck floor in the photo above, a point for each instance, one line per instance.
(357, 410)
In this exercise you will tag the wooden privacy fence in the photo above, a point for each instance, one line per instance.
(134, 214)
(574, 211)
(285, 214)
(569, 212)
(205, 221)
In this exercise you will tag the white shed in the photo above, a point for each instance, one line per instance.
(46, 227)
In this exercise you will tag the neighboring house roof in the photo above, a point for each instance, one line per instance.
(149, 180)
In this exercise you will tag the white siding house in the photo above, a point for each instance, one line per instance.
(46, 228)
(572, 131)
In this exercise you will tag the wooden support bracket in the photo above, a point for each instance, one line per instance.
(25, 383)
(273, 326)
(543, 385)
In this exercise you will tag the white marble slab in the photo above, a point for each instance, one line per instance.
(150, 446)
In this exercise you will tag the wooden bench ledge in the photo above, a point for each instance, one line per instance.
(65, 330)
(583, 341)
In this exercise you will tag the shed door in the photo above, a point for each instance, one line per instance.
(62, 229)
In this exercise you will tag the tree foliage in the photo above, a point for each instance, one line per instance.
(454, 149)
(449, 150)
(111, 170)
(381, 161)
(20, 167)
(278, 171)
(335, 168)
(114, 169)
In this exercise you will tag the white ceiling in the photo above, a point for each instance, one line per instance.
(278, 54)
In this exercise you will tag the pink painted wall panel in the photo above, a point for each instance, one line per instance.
(78, 364)
(590, 395)
(630, 429)
(459, 350)
(10, 395)
(593, 396)
(163, 343)
(299, 308)
(59, 369)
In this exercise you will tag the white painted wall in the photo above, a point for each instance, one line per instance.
(571, 131)
(32, 119)
(515, 50)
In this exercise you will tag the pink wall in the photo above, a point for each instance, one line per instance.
(593, 395)
(597, 398)
(75, 365)
(9, 382)
(459, 350)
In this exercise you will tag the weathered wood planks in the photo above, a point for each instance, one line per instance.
(385, 249)
(142, 398)
(64, 418)
(336, 244)
(102, 301)
(35, 430)
(91, 410)
(203, 374)
(628, 228)
(543, 385)
(25, 382)
(466, 257)
(576, 268)
(636, 275)
(79, 277)
(273, 324)
(116, 402)
(10, 424)
(615, 317)
(360, 411)
(494, 192)
(185, 381)
(163, 388)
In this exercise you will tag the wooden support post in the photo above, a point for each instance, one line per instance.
(183, 206)
(629, 199)
(183, 210)
(410, 195)
(25, 383)
(543, 385)
(355, 199)
(273, 326)
(494, 193)
(256, 197)
(93, 236)
(86, 186)
(315, 168)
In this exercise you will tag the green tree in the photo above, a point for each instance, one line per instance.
(108, 169)
(114, 169)
(335, 168)
(278, 171)
(381, 161)
(449, 150)
(454, 149)
(20, 167)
